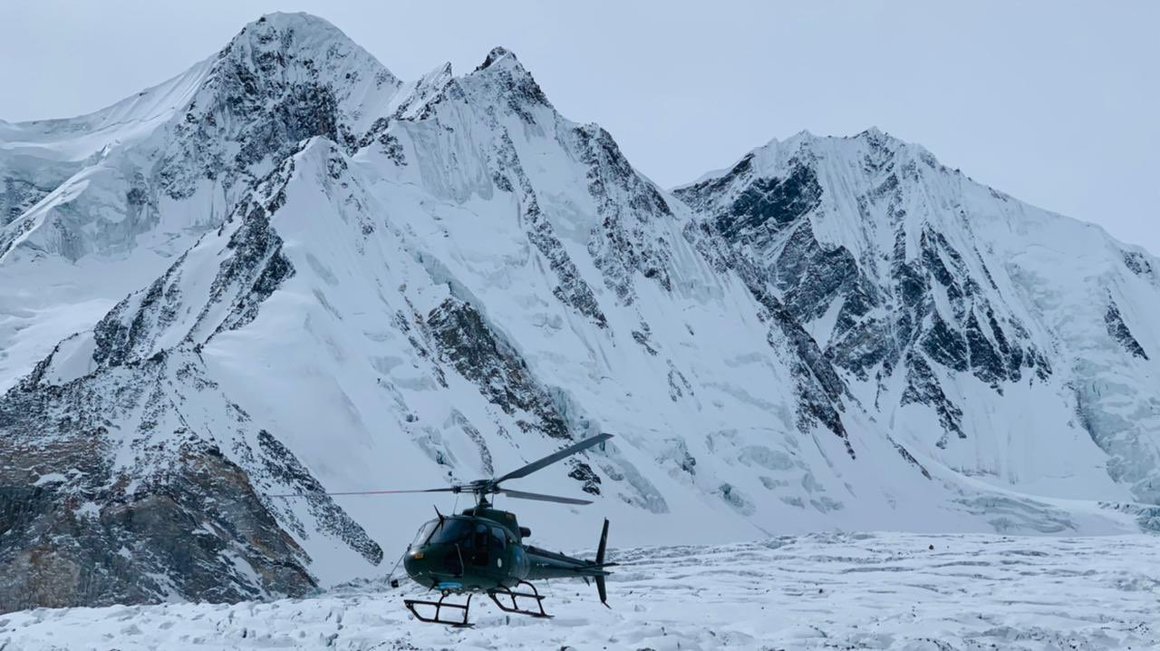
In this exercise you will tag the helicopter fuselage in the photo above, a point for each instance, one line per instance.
(482, 549)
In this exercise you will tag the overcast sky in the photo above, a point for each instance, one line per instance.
(1054, 102)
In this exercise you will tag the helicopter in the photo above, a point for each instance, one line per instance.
(482, 550)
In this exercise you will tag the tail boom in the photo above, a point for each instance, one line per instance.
(544, 564)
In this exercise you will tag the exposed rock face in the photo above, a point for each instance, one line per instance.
(282, 80)
(904, 274)
(16, 197)
(1119, 331)
(571, 289)
(199, 138)
(165, 512)
(625, 204)
(292, 273)
(116, 487)
(468, 343)
(891, 306)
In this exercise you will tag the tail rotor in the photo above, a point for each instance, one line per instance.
(600, 588)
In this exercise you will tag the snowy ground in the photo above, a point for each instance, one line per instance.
(876, 591)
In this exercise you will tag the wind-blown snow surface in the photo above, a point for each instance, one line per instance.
(881, 591)
(287, 271)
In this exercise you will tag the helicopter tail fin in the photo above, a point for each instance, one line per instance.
(600, 588)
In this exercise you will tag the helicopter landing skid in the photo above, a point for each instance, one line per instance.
(439, 606)
(514, 608)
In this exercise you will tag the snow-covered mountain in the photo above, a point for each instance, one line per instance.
(96, 206)
(340, 281)
(1005, 342)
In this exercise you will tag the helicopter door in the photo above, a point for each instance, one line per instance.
(479, 544)
(498, 546)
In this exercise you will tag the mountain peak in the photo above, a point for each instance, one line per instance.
(873, 142)
(498, 54)
(274, 42)
(283, 22)
(877, 137)
(288, 33)
(284, 19)
(872, 135)
(502, 72)
(295, 55)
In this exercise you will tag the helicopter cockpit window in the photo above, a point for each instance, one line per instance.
(424, 533)
(447, 530)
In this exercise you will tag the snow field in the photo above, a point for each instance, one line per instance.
(822, 591)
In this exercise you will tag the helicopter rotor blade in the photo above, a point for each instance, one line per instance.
(486, 486)
(553, 458)
(449, 489)
(540, 497)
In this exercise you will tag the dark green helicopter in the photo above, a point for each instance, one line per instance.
(482, 550)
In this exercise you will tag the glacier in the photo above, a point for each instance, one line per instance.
(902, 592)
(287, 271)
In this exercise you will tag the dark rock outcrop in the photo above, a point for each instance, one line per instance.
(89, 516)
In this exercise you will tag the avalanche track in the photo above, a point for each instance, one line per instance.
(822, 591)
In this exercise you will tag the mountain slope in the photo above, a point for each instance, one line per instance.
(119, 193)
(986, 332)
(402, 284)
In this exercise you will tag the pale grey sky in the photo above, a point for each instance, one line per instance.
(1055, 102)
